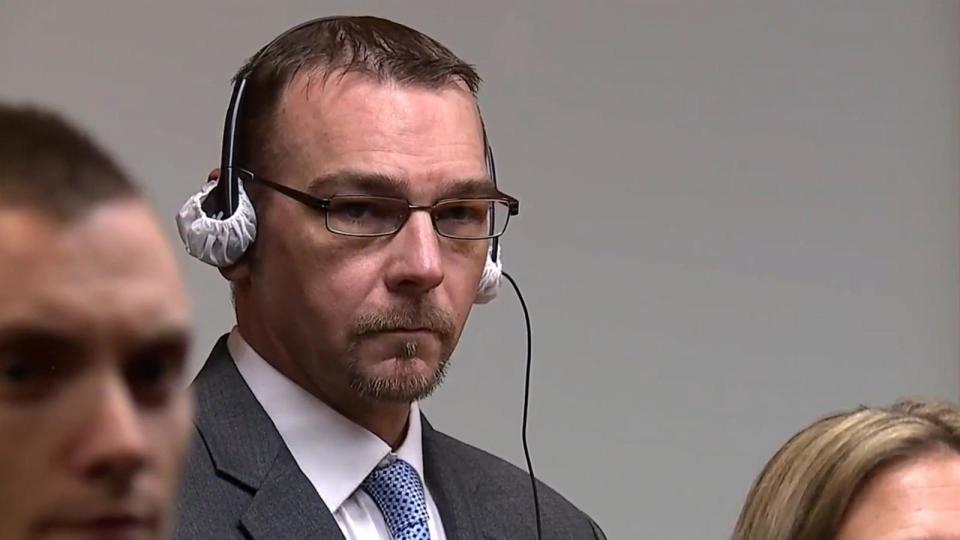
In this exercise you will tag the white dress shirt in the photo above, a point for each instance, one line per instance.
(334, 453)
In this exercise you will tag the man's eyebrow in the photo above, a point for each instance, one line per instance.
(167, 339)
(25, 334)
(20, 332)
(34, 336)
(354, 182)
(469, 188)
(169, 334)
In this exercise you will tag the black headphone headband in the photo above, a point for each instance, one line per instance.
(228, 198)
(224, 199)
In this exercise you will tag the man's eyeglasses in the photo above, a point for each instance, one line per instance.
(368, 215)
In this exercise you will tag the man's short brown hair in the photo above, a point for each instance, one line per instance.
(49, 165)
(379, 48)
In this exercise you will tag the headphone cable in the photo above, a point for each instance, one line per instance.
(526, 403)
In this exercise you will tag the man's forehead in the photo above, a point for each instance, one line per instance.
(316, 85)
(355, 105)
(427, 138)
(102, 267)
(113, 232)
(24, 236)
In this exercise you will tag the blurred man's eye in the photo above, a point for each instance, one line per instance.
(22, 370)
(30, 369)
(156, 372)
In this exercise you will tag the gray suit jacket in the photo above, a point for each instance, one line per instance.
(242, 482)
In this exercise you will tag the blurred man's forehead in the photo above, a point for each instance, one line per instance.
(110, 272)
(25, 238)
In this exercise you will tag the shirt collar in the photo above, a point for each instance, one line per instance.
(333, 452)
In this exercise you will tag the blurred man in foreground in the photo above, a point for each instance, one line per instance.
(94, 414)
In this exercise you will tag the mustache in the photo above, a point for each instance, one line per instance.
(406, 317)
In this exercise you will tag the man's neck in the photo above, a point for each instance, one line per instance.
(386, 420)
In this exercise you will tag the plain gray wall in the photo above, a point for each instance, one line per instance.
(736, 216)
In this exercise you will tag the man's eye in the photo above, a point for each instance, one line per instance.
(473, 212)
(28, 376)
(154, 374)
(366, 210)
(21, 370)
(148, 372)
(355, 210)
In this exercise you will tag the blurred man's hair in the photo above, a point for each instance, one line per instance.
(806, 488)
(49, 165)
(371, 46)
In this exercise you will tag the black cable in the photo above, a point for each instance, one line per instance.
(526, 403)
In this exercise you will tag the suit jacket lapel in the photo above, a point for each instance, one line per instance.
(287, 506)
(458, 497)
(246, 447)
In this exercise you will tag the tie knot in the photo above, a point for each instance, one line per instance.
(398, 493)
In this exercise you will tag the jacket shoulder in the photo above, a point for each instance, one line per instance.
(508, 488)
(209, 505)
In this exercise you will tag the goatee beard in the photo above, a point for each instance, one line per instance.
(405, 384)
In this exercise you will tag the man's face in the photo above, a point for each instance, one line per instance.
(369, 317)
(94, 415)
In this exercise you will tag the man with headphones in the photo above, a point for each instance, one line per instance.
(357, 218)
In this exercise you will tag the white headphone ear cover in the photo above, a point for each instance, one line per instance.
(218, 242)
(490, 280)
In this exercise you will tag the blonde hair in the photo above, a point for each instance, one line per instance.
(805, 489)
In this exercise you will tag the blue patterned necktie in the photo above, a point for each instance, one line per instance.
(398, 493)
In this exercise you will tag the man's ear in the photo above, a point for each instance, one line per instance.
(239, 273)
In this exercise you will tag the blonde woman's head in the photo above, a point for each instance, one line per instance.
(873, 473)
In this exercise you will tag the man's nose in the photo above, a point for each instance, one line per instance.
(416, 266)
(112, 443)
